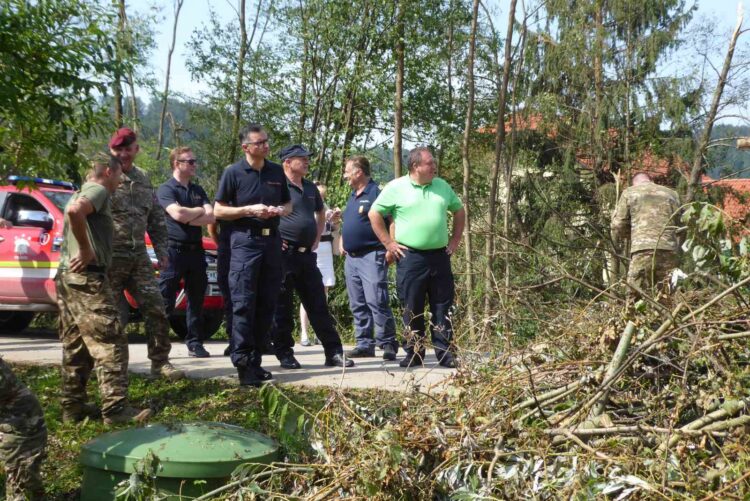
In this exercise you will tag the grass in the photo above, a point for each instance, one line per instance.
(183, 401)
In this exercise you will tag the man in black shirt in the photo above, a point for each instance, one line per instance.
(300, 232)
(188, 209)
(253, 195)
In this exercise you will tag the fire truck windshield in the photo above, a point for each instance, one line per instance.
(59, 198)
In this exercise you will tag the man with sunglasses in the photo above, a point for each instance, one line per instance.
(253, 195)
(187, 208)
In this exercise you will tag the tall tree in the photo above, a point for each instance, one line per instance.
(466, 160)
(399, 98)
(165, 94)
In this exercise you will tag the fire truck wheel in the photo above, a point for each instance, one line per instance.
(12, 322)
(211, 322)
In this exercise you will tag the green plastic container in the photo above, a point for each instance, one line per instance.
(187, 452)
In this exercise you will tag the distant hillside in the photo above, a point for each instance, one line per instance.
(727, 160)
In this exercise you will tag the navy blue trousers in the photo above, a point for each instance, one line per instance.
(254, 281)
(301, 274)
(190, 266)
(426, 276)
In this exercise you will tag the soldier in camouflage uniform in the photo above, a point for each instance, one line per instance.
(135, 210)
(90, 331)
(23, 438)
(645, 214)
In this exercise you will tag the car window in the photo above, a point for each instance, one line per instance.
(59, 198)
(17, 203)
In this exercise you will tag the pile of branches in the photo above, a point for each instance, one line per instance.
(646, 404)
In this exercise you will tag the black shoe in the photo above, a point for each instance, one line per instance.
(448, 361)
(389, 352)
(248, 377)
(198, 351)
(360, 352)
(262, 374)
(338, 360)
(412, 360)
(289, 362)
(227, 351)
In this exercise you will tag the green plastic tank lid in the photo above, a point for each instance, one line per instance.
(185, 450)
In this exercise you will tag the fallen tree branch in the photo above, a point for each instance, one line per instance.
(622, 349)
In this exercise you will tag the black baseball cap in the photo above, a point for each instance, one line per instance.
(294, 150)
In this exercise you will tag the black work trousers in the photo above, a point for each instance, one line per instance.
(423, 276)
(301, 274)
(254, 281)
(188, 266)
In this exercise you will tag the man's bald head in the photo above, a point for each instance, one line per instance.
(641, 178)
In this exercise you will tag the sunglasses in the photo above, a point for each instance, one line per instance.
(191, 161)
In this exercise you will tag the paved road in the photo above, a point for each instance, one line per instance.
(42, 347)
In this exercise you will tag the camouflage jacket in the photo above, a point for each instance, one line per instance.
(135, 210)
(646, 215)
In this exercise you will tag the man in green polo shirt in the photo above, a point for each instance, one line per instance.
(419, 204)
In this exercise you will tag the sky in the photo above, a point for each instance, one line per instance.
(196, 12)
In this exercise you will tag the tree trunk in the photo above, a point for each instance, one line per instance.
(117, 84)
(700, 148)
(596, 119)
(489, 245)
(467, 167)
(399, 98)
(236, 115)
(165, 95)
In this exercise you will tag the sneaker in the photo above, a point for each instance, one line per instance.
(262, 374)
(248, 377)
(289, 362)
(412, 360)
(129, 414)
(305, 342)
(167, 371)
(359, 352)
(227, 351)
(76, 414)
(198, 351)
(389, 352)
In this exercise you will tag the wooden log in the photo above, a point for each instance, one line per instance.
(622, 349)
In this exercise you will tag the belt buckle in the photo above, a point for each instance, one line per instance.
(265, 232)
(301, 249)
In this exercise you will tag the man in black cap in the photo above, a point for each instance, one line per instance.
(253, 195)
(300, 234)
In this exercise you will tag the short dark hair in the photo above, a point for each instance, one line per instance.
(103, 161)
(249, 128)
(415, 156)
(360, 162)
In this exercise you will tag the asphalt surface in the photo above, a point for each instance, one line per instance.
(37, 346)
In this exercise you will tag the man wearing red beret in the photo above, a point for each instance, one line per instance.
(135, 210)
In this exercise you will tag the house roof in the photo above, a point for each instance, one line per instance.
(736, 201)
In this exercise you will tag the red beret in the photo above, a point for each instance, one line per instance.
(123, 137)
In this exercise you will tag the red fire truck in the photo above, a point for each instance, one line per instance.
(30, 254)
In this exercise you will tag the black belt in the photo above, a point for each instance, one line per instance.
(292, 247)
(185, 246)
(95, 268)
(427, 251)
(326, 238)
(366, 250)
(258, 232)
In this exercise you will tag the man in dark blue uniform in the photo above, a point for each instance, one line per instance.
(253, 195)
(220, 232)
(300, 233)
(188, 209)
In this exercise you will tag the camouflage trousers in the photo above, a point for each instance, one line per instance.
(649, 268)
(23, 438)
(135, 273)
(92, 338)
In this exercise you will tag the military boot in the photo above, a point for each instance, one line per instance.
(167, 371)
(128, 414)
(77, 413)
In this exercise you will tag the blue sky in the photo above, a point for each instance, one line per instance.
(196, 12)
